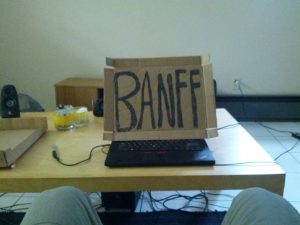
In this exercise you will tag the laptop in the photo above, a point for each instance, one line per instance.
(149, 101)
(142, 153)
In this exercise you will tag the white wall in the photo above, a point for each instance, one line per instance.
(45, 41)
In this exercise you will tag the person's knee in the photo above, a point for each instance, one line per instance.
(255, 194)
(64, 190)
(254, 191)
(62, 193)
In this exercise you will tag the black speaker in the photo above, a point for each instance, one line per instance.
(9, 102)
(120, 200)
(98, 107)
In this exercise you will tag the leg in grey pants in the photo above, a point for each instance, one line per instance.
(70, 206)
(257, 206)
(62, 206)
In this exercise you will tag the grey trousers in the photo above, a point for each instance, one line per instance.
(70, 206)
(62, 206)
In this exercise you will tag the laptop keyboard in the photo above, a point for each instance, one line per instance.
(165, 145)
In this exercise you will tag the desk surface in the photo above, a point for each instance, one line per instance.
(240, 163)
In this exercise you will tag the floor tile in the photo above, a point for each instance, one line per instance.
(284, 128)
(8, 200)
(296, 205)
(288, 163)
(24, 204)
(292, 187)
(290, 143)
(271, 145)
(296, 156)
(255, 129)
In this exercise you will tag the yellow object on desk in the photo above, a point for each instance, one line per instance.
(63, 119)
(68, 117)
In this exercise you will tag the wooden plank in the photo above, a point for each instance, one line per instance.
(23, 123)
(36, 170)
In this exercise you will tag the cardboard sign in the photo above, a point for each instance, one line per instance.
(17, 135)
(159, 98)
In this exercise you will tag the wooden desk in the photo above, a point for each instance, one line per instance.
(36, 170)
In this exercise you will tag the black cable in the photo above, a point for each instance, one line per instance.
(15, 203)
(228, 126)
(271, 128)
(217, 194)
(287, 151)
(164, 201)
(8, 209)
(55, 155)
(2, 194)
(152, 202)
(293, 134)
(206, 201)
(245, 163)
(102, 150)
(155, 202)
(243, 102)
(142, 199)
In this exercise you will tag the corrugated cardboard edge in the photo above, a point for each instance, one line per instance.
(210, 98)
(38, 124)
(163, 61)
(12, 155)
(108, 101)
(161, 135)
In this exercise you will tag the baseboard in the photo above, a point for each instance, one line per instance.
(261, 108)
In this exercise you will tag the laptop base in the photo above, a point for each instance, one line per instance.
(195, 153)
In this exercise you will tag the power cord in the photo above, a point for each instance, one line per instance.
(229, 126)
(273, 129)
(55, 155)
(293, 134)
(157, 204)
(287, 151)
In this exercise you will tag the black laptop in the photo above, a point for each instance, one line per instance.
(159, 153)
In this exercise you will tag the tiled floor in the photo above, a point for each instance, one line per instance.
(274, 142)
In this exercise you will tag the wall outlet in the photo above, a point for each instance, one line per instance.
(236, 84)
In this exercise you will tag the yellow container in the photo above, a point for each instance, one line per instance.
(63, 119)
(80, 116)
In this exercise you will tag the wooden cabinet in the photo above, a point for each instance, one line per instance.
(78, 91)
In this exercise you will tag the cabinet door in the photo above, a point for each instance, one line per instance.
(76, 96)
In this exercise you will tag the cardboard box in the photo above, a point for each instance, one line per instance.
(159, 98)
(17, 135)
